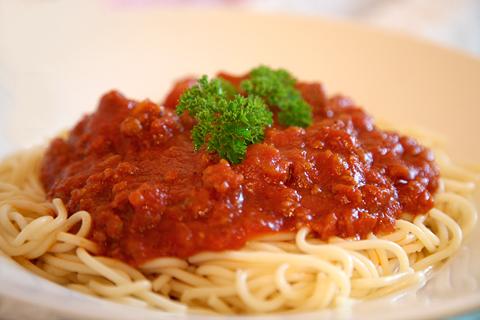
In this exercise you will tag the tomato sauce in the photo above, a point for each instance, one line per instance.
(133, 167)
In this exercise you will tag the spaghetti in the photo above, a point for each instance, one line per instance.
(285, 272)
(317, 206)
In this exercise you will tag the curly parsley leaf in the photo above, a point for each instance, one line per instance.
(226, 121)
(277, 88)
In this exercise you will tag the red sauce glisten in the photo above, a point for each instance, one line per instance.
(132, 166)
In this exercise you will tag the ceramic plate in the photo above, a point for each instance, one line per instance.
(56, 59)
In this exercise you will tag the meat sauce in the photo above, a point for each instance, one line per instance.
(132, 165)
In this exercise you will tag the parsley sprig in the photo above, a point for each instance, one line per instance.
(226, 121)
(277, 88)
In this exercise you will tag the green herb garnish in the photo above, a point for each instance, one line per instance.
(226, 121)
(277, 88)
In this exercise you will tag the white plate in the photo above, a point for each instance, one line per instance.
(57, 59)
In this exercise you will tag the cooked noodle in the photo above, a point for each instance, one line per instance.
(286, 272)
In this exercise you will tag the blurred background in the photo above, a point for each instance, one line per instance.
(453, 23)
